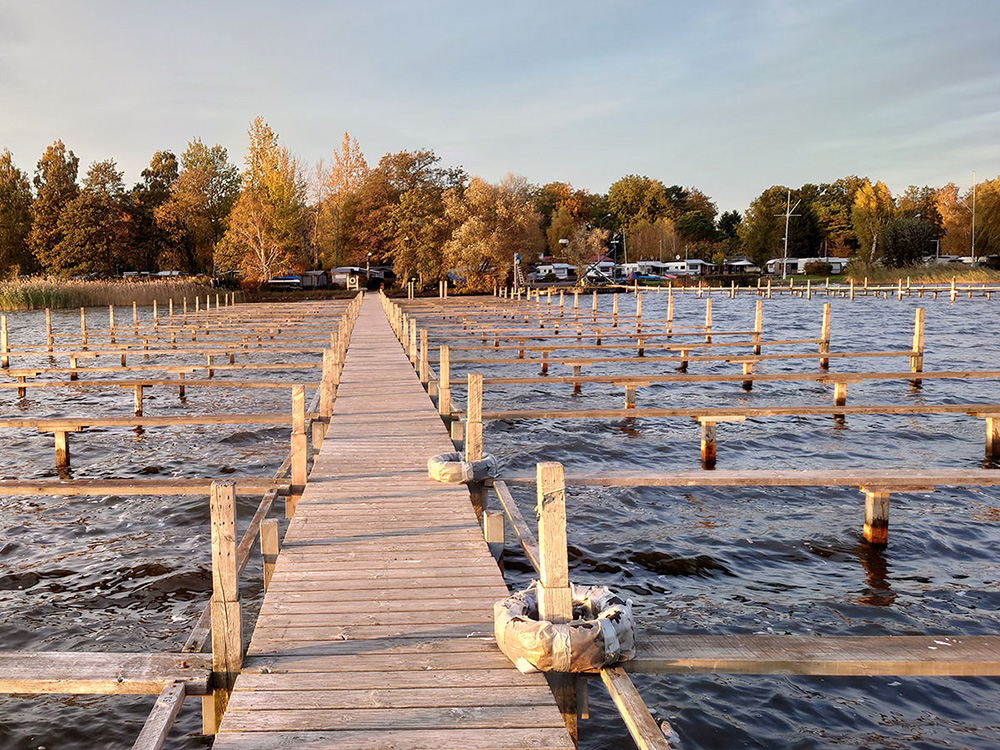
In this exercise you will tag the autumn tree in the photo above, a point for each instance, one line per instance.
(956, 219)
(988, 218)
(15, 218)
(150, 240)
(338, 202)
(636, 198)
(94, 227)
(265, 232)
(905, 240)
(493, 223)
(873, 207)
(55, 187)
(194, 216)
(653, 240)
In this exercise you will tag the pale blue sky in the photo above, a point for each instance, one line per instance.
(730, 96)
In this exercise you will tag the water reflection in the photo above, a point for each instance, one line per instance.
(875, 563)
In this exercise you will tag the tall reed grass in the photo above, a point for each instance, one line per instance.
(937, 274)
(35, 293)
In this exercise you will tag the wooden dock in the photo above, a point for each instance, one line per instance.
(377, 626)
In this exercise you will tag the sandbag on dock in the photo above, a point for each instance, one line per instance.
(451, 469)
(601, 633)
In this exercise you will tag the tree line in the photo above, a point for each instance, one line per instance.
(200, 213)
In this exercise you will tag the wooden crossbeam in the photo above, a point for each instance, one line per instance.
(931, 655)
(913, 480)
(99, 673)
(58, 487)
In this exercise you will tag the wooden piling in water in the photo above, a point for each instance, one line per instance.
(298, 450)
(876, 528)
(227, 631)
(444, 380)
(917, 358)
(824, 335)
(555, 597)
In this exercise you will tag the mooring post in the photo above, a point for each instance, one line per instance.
(73, 375)
(917, 355)
(138, 400)
(992, 435)
(629, 396)
(758, 326)
(638, 313)
(824, 335)
(670, 311)
(577, 369)
(708, 430)
(614, 311)
(48, 329)
(474, 435)
(83, 328)
(876, 528)
(747, 372)
(413, 344)
(4, 349)
(327, 394)
(839, 395)
(180, 387)
(685, 353)
(425, 367)
(227, 631)
(269, 547)
(299, 445)
(555, 597)
(444, 380)
(708, 319)
(111, 322)
(62, 450)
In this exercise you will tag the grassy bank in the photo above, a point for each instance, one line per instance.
(939, 274)
(34, 293)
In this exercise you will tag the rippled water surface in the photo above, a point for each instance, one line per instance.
(117, 573)
(782, 560)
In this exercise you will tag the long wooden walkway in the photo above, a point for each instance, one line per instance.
(377, 628)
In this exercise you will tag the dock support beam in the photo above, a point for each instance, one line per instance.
(299, 447)
(227, 631)
(474, 437)
(876, 528)
(824, 335)
(555, 597)
(917, 356)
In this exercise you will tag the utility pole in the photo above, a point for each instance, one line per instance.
(788, 215)
(973, 217)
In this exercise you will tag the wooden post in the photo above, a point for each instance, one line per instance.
(138, 400)
(227, 631)
(493, 532)
(48, 328)
(852, 290)
(413, 344)
(299, 444)
(170, 303)
(670, 311)
(269, 547)
(708, 320)
(21, 392)
(83, 328)
(917, 355)
(638, 312)
(576, 383)
(444, 381)
(156, 314)
(876, 528)
(684, 360)
(708, 430)
(640, 348)
(824, 335)
(4, 349)
(748, 370)
(111, 322)
(614, 311)
(180, 388)
(425, 367)
(474, 436)
(555, 597)
(208, 362)
(73, 375)
(840, 394)
(629, 396)
(545, 363)
(758, 326)
(992, 436)
(954, 291)
(62, 450)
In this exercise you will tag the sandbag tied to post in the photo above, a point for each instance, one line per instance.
(601, 633)
(451, 469)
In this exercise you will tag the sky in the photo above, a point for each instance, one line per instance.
(728, 96)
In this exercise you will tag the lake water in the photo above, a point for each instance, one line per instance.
(117, 573)
(782, 560)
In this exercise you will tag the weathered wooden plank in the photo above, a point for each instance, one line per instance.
(818, 655)
(451, 696)
(511, 738)
(161, 718)
(93, 673)
(249, 486)
(641, 726)
(425, 679)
